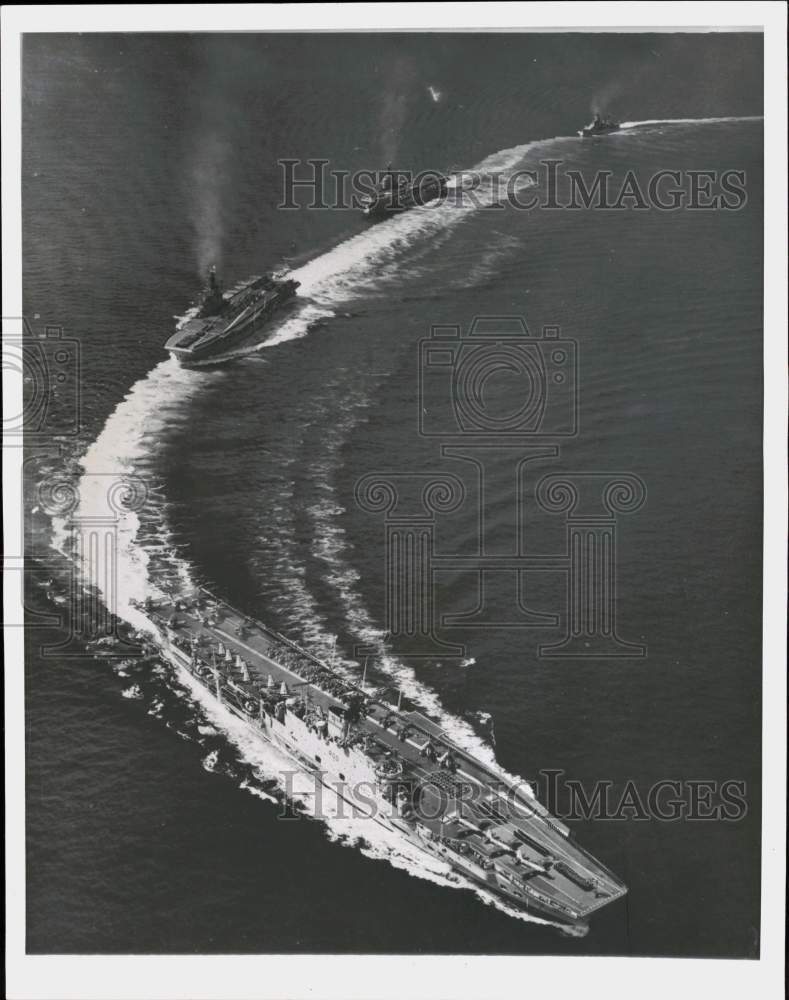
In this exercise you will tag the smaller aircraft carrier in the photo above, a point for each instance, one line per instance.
(223, 320)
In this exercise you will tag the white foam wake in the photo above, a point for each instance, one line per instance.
(120, 455)
(359, 264)
(691, 121)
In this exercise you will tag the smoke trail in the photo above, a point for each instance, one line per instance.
(208, 176)
(605, 97)
(397, 85)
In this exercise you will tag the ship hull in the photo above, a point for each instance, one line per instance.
(590, 133)
(382, 814)
(212, 341)
(218, 352)
(350, 772)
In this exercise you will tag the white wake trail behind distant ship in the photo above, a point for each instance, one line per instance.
(365, 261)
(362, 262)
(691, 121)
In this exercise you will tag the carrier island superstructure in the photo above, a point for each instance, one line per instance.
(395, 766)
(222, 321)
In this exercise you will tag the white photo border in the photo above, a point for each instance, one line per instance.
(365, 977)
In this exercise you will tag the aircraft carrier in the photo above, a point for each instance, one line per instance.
(223, 320)
(391, 764)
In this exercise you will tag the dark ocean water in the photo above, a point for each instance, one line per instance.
(150, 828)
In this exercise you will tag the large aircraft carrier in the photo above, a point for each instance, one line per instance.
(388, 763)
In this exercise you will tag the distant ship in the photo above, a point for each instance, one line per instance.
(396, 193)
(393, 765)
(225, 319)
(599, 126)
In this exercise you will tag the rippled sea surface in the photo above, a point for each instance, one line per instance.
(152, 822)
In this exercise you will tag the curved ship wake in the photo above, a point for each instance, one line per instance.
(149, 569)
